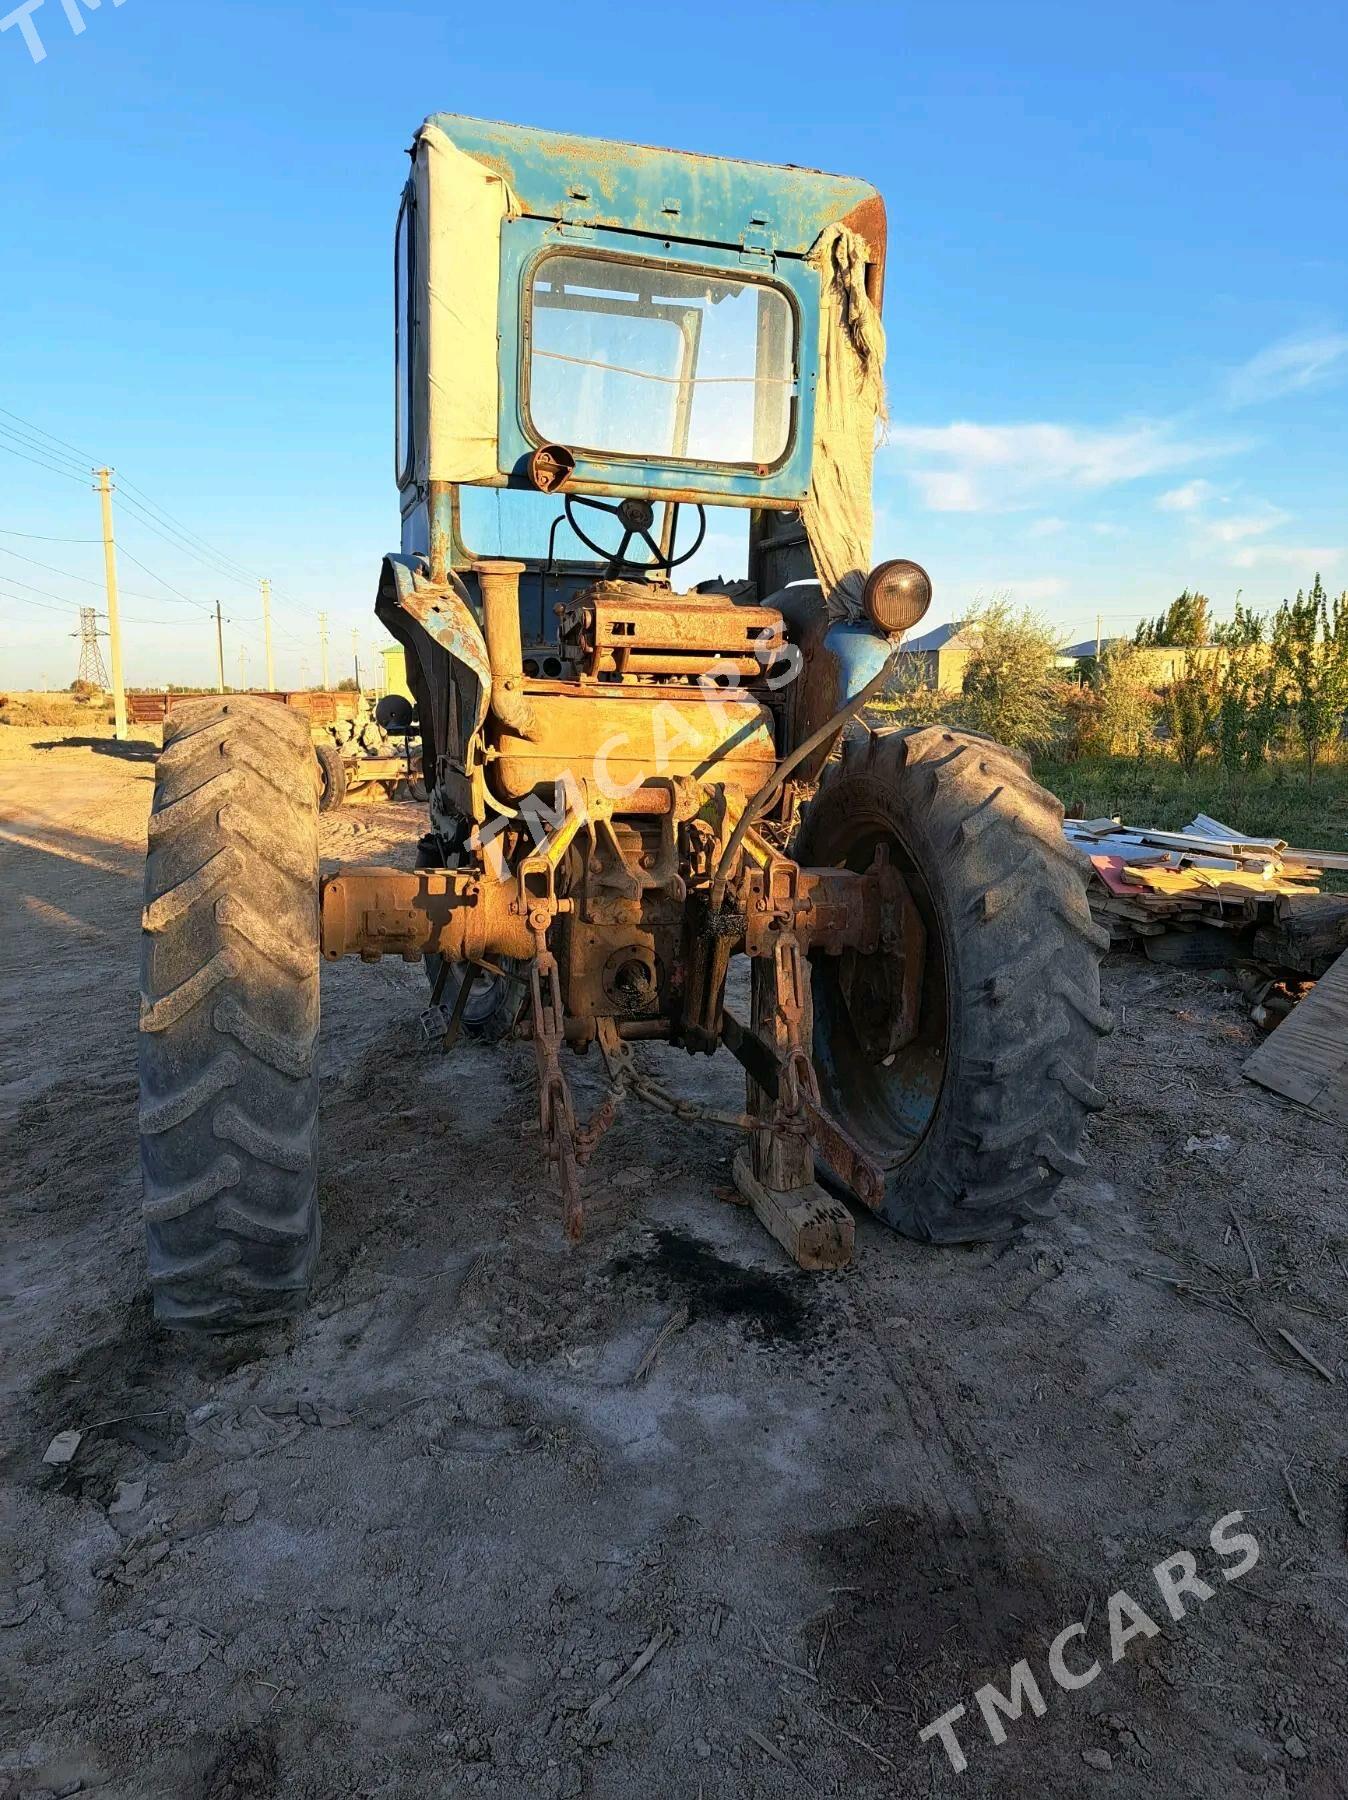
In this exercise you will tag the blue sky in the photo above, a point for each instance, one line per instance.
(1116, 306)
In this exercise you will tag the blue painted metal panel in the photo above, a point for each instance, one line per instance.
(858, 653)
(663, 193)
(525, 241)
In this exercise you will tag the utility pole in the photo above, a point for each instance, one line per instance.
(355, 654)
(219, 651)
(1097, 637)
(266, 636)
(323, 646)
(114, 619)
(243, 670)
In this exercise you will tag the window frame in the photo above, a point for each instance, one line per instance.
(404, 325)
(662, 266)
(526, 241)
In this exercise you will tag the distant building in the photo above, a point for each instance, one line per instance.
(1075, 652)
(940, 657)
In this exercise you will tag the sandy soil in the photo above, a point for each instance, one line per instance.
(413, 1544)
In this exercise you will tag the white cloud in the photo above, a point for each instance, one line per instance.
(1234, 528)
(1302, 559)
(1187, 498)
(967, 467)
(1042, 528)
(1290, 366)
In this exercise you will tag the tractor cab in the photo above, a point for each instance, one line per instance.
(612, 361)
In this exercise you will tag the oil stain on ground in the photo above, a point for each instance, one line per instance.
(768, 1307)
(929, 1601)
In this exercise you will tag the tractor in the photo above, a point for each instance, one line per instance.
(610, 359)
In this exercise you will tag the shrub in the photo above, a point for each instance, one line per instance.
(1012, 690)
(1310, 650)
(911, 699)
(1127, 700)
(1190, 710)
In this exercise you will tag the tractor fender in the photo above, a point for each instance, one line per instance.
(839, 658)
(443, 612)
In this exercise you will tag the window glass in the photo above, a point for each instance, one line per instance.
(402, 341)
(632, 360)
(513, 522)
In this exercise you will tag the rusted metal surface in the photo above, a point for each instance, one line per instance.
(322, 706)
(557, 1115)
(461, 914)
(499, 585)
(668, 194)
(881, 985)
(619, 626)
(868, 220)
(619, 738)
(783, 1090)
(550, 467)
(824, 909)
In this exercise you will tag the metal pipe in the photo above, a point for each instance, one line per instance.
(770, 789)
(499, 583)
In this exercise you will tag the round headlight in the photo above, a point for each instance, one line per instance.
(897, 595)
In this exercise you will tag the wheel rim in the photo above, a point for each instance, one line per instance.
(887, 1106)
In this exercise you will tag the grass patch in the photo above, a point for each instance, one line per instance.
(1275, 801)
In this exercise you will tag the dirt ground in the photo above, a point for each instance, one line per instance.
(440, 1538)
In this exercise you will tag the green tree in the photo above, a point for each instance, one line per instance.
(1184, 624)
(1128, 703)
(1012, 690)
(1310, 649)
(1190, 709)
(1248, 691)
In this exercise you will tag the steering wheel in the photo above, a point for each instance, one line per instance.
(636, 518)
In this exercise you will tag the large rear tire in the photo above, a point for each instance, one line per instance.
(978, 1119)
(229, 1016)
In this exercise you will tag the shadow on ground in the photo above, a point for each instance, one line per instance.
(130, 750)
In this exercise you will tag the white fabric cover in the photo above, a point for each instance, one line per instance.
(849, 409)
(460, 206)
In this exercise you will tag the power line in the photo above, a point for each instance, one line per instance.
(15, 582)
(38, 538)
(47, 434)
(160, 579)
(167, 518)
(64, 605)
(51, 467)
(23, 600)
(84, 580)
(29, 442)
(146, 511)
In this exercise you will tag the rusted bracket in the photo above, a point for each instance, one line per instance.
(618, 1061)
(557, 1115)
(790, 1081)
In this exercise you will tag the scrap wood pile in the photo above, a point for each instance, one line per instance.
(1208, 895)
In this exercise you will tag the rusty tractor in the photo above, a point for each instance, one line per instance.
(608, 357)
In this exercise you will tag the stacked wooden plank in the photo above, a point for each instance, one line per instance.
(1145, 883)
(1306, 1058)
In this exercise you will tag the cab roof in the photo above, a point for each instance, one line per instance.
(668, 193)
